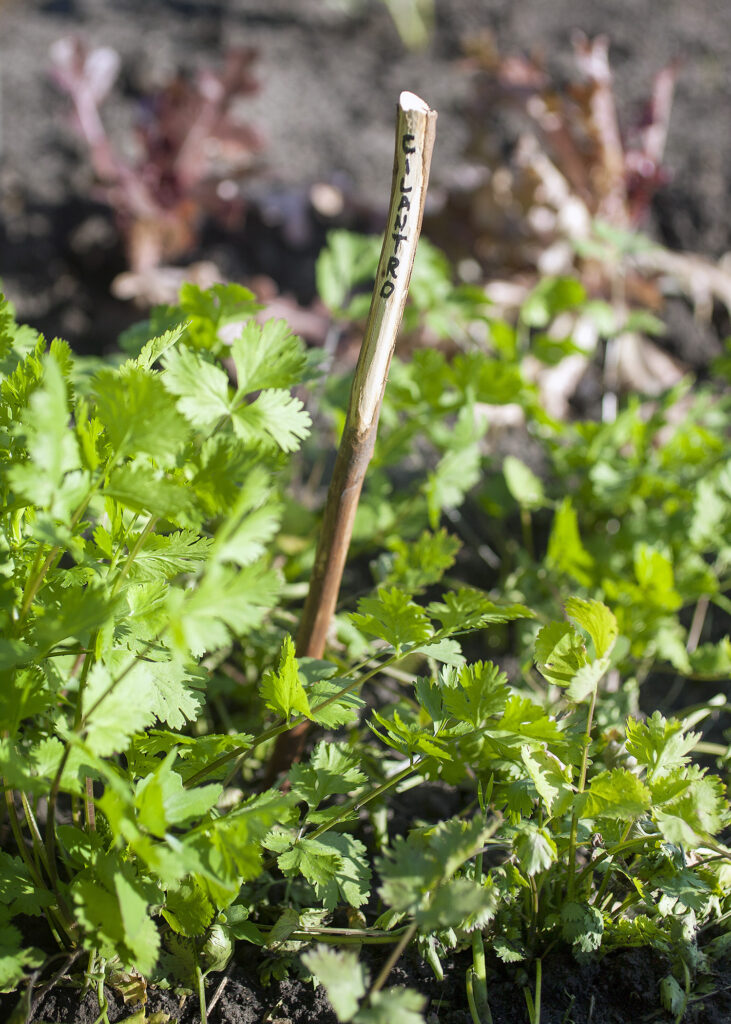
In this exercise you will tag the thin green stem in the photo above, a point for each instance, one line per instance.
(78, 715)
(51, 816)
(392, 960)
(58, 925)
(37, 840)
(526, 524)
(355, 936)
(580, 789)
(117, 554)
(102, 998)
(89, 808)
(37, 576)
(477, 980)
(533, 1002)
(200, 977)
(605, 881)
(277, 730)
(533, 890)
(713, 749)
(18, 837)
(470, 986)
(144, 534)
(360, 801)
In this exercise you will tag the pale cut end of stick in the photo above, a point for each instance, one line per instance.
(410, 101)
(415, 127)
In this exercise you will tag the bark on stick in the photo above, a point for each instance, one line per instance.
(415, 130)
(415, 125)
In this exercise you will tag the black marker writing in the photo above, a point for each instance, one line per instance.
(400, 233)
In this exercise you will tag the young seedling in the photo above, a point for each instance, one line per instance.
(415, 130)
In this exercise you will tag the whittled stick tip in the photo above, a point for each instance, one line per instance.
(410, 101)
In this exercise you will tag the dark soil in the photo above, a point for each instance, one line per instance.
(622, 988)
(330, 73)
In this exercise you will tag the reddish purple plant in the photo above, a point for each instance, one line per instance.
(614, 174)
(192, 151)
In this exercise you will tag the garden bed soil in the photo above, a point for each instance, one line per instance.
(621, 988)
(330, 72)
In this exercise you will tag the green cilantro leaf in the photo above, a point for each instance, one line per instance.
(275, 414)
(201, 387)
(475, 692)
(139, 415)
(535, 848)
(392, 616)
(18, 891)
(227, 601)
(393, 1006)
(230, 848)
(659, 745)
(550, 777)
(689, 806)
(333, 768)
(52, 448)
(617, 793)
(582, 925)
(523, 484)
(467, 609)
(162, 801)
(168, 555)
(267, 356)
(456, 473)
(208, 310)
(188, 909)
(343, 978)
(559, 653)
(654, 572)
(314, 859)
(115, 708)
(422, 562)
(251, 523)
(335, 865)
(145, 489)
(566, 553)
(16, 956)
(459, 903)
(113, 912)
(282, 691)
(597, 620)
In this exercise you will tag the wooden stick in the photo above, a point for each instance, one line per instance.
(415, 130)
(415, 125)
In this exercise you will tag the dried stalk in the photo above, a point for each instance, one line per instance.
(415, 130)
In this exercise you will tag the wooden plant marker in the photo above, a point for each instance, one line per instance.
(415, 130)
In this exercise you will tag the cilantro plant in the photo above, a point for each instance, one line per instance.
(138, 507)
(154, 541)
(633, 511)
